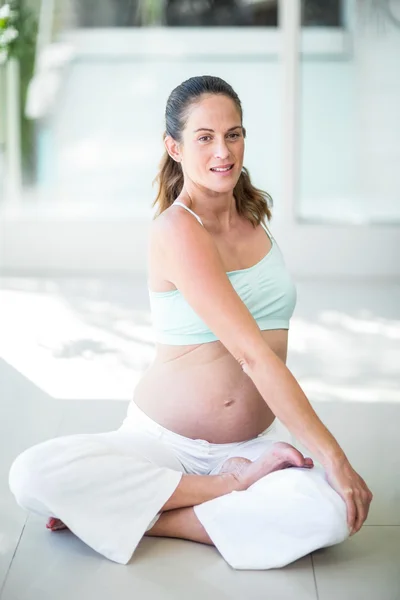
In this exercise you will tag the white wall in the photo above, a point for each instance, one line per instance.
(100, 148)
(377, 90)
(350, 123)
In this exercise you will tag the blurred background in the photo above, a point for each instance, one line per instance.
(83, 91)
(81, 122)
(82, 99)
(83, 88)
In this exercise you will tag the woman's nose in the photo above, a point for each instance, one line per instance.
(221, 150)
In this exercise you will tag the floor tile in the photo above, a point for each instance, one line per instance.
(160, 569)
(92, 416)
(365, 567)
(27, 417)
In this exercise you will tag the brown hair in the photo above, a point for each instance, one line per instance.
(251, 202)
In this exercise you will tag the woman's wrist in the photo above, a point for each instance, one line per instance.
(333, 457)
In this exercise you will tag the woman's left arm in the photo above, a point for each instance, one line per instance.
(289, 403)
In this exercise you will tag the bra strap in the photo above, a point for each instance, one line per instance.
(188, 209)
(267, 231)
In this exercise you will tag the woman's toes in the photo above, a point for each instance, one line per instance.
(288, 456)
(55, 524)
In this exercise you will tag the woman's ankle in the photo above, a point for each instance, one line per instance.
(196, 489)
(180, 523)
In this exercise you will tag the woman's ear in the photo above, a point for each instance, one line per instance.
(244, 131)
(172, 147)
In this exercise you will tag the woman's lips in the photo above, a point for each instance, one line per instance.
(223, 169)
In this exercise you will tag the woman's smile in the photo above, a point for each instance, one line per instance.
(223, 170)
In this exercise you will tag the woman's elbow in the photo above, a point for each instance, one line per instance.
(253, 355)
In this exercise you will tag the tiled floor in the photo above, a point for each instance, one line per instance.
(71, 352)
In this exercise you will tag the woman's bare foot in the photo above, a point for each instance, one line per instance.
(55, 524)
(280, 456)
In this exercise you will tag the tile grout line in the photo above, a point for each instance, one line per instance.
(12, 558)
(314, 574)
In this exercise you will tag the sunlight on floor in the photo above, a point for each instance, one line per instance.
(89, 339)
(66, 355)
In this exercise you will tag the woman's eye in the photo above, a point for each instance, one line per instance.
(206, 138)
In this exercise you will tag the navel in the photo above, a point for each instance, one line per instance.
(229, 402)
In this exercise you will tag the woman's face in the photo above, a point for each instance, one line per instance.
(212, 148)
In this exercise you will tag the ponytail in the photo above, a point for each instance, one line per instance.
(170, 183)
(251, 202)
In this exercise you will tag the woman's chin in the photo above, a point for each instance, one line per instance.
(222, 187)
(222, 190)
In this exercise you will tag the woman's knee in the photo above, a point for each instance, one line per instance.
(308, 504)
(25, 478)
(335, 528)
(326, 510)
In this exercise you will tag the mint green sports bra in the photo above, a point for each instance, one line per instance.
(266, 289)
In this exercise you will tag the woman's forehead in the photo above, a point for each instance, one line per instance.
(214, 112)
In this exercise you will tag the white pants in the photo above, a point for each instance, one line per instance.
(109, 488)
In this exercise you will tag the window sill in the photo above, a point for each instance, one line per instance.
(176, 43)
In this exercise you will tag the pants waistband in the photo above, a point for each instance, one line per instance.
(137, 420)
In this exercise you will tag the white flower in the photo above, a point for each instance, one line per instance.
(3, 56)
(9, 35)
(5, 12)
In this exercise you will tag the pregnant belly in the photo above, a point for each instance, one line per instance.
(215, 401)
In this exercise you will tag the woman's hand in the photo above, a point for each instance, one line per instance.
(354, 491)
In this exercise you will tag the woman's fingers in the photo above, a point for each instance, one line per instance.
(360, 513)
(363, 501)
(351, 509)
(354, 491)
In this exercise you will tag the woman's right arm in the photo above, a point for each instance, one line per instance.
(190, 260)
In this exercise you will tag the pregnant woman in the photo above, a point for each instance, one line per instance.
(203, 452)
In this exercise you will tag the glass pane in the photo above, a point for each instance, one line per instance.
(177, 13)
(350, 123)
(321, 13)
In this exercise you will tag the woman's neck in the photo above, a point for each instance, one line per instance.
(219, 210)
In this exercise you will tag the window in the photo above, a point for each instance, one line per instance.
(201, 13)
(322, 13)
(177, 13)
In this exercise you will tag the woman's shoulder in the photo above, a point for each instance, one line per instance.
(173, 223)
(177, 241)
(175, 234)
